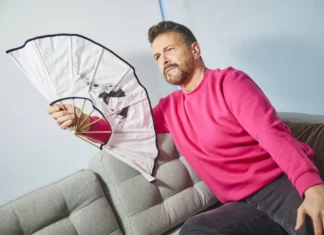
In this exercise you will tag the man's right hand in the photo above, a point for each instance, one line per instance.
(64, 116)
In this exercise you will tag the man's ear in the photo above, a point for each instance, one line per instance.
(195, 48)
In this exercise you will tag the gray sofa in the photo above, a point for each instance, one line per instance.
(111, 198)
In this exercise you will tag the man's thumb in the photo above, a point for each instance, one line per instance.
(301, 215)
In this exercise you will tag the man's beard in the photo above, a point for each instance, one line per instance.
(179, 74)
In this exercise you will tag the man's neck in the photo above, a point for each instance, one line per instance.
(194, 80)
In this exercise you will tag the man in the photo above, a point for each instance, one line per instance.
(230, 134)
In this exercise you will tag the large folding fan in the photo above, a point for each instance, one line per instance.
(72, 68)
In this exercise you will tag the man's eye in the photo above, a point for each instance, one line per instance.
(169, 49)
(157, 58)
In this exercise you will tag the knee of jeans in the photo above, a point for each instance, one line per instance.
(194, 226)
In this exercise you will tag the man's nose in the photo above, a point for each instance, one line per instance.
(165, 60)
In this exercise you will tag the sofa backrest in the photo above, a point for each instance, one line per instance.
(309, 129)
(73, 205)
(144, 208)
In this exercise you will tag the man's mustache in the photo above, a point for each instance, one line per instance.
(169, 66)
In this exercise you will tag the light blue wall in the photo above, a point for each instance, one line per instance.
(279, 43)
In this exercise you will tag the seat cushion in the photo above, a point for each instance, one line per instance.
(73, 205)
(145, 208)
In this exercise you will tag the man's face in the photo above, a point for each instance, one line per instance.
(174, 57)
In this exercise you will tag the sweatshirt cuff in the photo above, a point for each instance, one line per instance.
(95, 126)
(101, 125)
(307, 180)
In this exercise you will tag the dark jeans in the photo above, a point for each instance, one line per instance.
(270, 211)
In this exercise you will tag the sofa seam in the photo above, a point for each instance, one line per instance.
(160, 203)
(13, 210)
(115, 229)
(73, 225)
(126, 179)
(67, 208)
(65, 202)
(159, 165)
(168, 215)
(101, 157)
(44, 187)
(171, 195)
(86, 205)
(68, 216)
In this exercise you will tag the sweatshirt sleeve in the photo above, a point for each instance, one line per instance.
(101, 125)
(254, 112)
(159, 119)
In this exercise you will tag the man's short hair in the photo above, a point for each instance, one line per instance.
(169, 26)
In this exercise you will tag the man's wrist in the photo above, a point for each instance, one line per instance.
(307, 180)
(312, 189)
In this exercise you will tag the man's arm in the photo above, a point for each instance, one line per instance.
(159, 119)
(255, 113)
(65, 119)
(257, 116)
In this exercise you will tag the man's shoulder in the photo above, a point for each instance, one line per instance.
(170, 98)
(227, 74)
(226, 71)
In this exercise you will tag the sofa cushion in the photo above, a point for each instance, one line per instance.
(73, 205)
(309, 129)
(145, 208)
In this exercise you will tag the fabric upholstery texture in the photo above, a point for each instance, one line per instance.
(145, 208)
(75, 205)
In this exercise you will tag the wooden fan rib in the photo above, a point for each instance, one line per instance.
(86, 118)
(92, 139)
(89, 142)
(80, 114)
(90, 124)
(92, 132)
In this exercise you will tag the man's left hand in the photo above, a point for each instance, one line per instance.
(313, 205)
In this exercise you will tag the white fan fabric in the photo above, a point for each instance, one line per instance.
(65, 66)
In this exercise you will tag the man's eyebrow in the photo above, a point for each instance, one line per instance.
(163, 49)
(167, 46)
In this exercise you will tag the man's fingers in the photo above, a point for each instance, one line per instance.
(60, 114)
(63, 114)
(318, 226)
(53, 109)
(68, 108)
(301, 215)
(66, 124)
(61, 120)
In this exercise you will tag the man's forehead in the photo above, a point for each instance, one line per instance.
(164, 40)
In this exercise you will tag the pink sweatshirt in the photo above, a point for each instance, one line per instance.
(232, 137)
